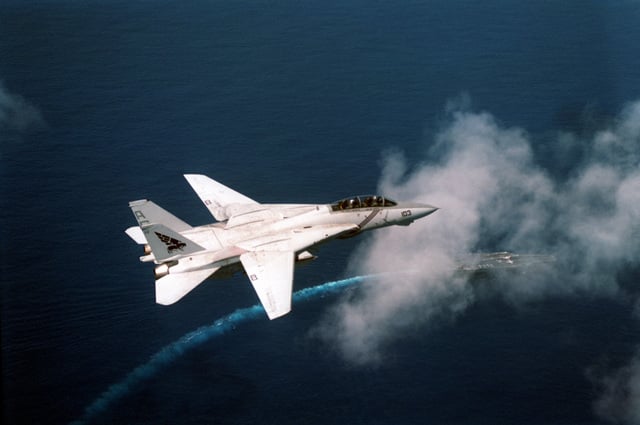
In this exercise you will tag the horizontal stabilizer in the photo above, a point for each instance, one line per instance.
(135, 233)
(172, 287)
(271, 274)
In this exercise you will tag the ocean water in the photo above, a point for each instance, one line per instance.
(104, 102)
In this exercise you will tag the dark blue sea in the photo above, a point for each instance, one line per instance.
(107, 101)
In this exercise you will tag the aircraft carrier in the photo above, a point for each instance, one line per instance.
(487, 262)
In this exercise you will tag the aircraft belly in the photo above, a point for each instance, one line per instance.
(295, 240)
(205, 236)
(207, 260)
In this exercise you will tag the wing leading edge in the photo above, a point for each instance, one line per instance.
(216, 196)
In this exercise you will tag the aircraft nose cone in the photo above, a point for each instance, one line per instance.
(416, 211)
(425, 210)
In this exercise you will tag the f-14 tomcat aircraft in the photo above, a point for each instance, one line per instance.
(266, 239)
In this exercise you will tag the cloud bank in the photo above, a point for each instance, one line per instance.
(496, 193)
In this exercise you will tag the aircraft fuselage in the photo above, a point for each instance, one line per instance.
(266, 239)
(268, 226)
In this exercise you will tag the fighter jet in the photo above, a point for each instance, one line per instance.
(267, 240)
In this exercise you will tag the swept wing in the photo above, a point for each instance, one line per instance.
(221, 201)
(269, 263)
(271, 274)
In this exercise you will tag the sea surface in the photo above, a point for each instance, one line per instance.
(107, 101)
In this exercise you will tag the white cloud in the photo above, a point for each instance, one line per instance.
(494, 194)
(619, 399)
(17, 116)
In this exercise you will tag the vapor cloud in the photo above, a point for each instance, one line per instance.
(496, 193)
(619, 401)
(17, 116)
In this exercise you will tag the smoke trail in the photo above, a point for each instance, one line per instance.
(496, 191)
(176, 349)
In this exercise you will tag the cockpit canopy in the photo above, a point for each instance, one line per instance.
(363, 201)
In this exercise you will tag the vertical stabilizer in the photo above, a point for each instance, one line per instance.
(166, 244)
(148, 213)
(162, 230)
